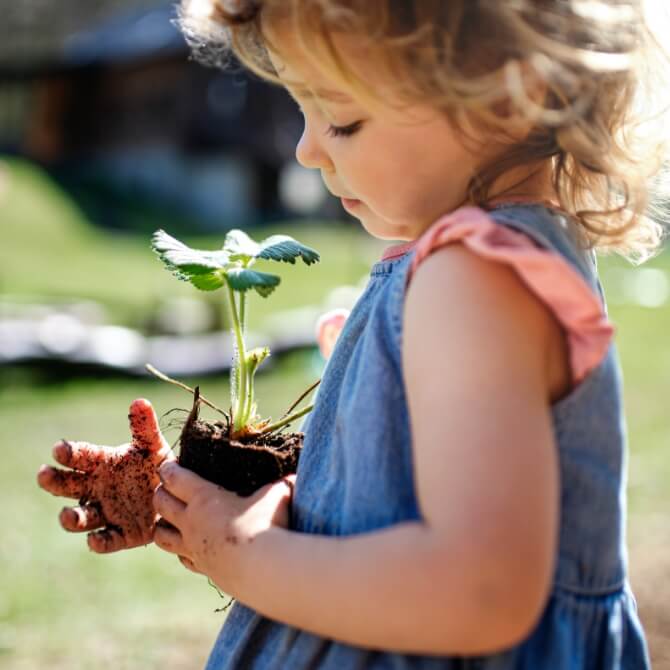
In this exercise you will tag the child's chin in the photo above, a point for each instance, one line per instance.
(383, 230)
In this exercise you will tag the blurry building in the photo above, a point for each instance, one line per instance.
(121, 117)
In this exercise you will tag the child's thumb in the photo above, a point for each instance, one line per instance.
(289, 480)
(144, 426)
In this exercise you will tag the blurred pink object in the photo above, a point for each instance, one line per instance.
(328, 329)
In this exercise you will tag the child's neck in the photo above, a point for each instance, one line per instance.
(525, 184)
(522, 185)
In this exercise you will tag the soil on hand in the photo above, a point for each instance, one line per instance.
(241, 465)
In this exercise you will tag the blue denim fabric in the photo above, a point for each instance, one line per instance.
(355, 475)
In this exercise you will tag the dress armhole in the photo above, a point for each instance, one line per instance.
(553, 279)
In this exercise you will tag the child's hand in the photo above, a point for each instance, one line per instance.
(209, 526)
(328, 329)
(114, 485)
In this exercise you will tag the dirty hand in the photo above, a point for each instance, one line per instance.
(208, 527)
(114, 485)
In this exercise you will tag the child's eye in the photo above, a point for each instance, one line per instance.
(344, 131)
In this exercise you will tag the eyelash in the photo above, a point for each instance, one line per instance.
(344, 131)
(338, 131)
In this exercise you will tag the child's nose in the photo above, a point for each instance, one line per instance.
(309, 152)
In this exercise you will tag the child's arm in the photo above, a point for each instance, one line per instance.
(114, 485)
(472, 577)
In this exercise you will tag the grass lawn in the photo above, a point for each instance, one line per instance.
(57, 254)
(64, 607)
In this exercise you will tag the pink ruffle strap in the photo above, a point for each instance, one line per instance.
(545, 272)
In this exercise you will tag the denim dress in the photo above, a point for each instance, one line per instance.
(346, 486)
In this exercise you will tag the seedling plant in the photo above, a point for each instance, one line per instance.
(231, 269)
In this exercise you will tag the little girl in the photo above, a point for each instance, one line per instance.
(461, 496)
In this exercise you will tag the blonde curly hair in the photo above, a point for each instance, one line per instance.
(604, 75)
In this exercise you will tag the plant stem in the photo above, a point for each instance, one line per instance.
(250, 397)
(242, 298)
(240, 364)
(243, 312)
(288, 419)
(246, 407)
(297, 402)
(234, 372)
(165, 378)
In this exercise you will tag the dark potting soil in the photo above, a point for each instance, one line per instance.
(237, 466)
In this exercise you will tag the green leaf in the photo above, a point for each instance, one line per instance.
(275, 248)
(204, 269)
(177, 256)
(242, 279)
(285, 248)
(209, 282)
(240, 246)
(255, 357)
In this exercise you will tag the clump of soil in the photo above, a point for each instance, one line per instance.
(242, 465)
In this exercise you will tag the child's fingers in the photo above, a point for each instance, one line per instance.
(106, 541)
(179, 481)
(78, 455)
(58, 482)
(328, 329)
(78, 519)
(168, 538)
(170, 508)
(144, 426)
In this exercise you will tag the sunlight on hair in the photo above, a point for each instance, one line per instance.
(658, 16)
(201, 9)
(596, 10)
(604, 64)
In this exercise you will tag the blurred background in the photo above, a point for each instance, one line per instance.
(109, 131)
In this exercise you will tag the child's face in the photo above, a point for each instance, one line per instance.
(397, 171)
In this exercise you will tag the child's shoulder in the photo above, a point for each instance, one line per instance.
(509, 230)
(484, 313)
(519, 255)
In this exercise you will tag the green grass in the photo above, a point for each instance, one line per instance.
(62, 606)
(57, 254)
(645, 359)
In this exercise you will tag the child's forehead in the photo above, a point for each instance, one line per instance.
(309, 71)
(318, 63)
(312, 75)
(307, 82)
